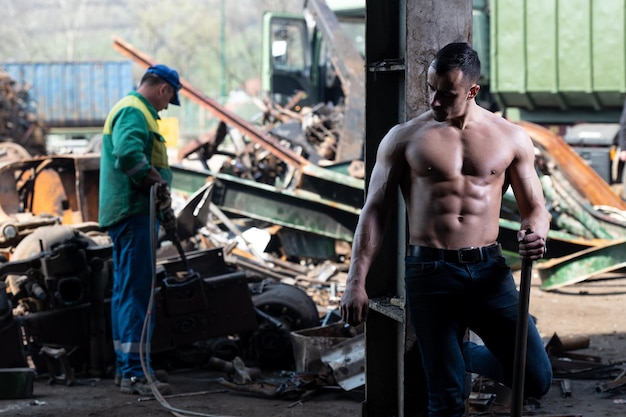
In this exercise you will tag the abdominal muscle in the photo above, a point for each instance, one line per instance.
(454, 214)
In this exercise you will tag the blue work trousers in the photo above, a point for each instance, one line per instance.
(133, 266)
(444, 300)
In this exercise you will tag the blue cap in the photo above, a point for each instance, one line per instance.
(171, 76)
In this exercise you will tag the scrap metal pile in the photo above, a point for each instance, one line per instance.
(588, 217)
(19, 121)
(315, 129)
(228, 302)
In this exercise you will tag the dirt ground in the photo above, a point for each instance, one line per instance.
(593, 310)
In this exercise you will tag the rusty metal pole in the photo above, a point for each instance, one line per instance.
(521, 338)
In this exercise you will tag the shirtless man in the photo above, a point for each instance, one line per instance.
(452, 164)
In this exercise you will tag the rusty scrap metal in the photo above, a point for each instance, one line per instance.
(236, 369)
(580, 366)
(561, 345)
(59, 368)
(566, 387)
(350, 67)
(578, 173)
(289, 385)
(205, 146)
(47, 190)
(481, 400)
(567, 364)
(347, 360)
(574, 204)
(19, 121)
(618, 382)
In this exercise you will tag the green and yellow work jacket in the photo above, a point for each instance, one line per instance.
(131, 145)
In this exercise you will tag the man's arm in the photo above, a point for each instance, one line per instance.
(535, 219)
(370, 228)
(130, 133)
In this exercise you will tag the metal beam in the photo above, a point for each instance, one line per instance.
(582, 265)
(299, 210)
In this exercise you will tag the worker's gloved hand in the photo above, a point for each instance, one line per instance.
(164, 207)
(152, 178)
(163, 198)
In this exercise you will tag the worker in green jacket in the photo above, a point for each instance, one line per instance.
(133, 160)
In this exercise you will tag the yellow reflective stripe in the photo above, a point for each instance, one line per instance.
(159, 151)
(131, 101)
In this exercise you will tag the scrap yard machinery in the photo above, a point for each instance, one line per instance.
(57, 278)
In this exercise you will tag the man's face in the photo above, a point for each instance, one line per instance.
(165, 93)
(449, 94)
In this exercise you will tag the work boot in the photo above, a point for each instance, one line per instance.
(159, 374)
(140, 386)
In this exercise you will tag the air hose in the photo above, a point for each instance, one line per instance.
(144, 345)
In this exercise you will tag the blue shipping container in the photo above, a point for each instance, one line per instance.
(74, 94)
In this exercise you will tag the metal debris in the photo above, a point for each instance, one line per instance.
(19, 121)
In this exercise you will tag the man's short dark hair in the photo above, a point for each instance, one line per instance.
(152, 79)
(458, 55)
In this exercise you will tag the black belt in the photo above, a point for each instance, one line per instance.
(463, 255)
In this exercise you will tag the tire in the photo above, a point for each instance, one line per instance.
(282, 309)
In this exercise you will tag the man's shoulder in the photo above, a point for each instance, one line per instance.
(500, 123)
(413, 125)
(422, 118)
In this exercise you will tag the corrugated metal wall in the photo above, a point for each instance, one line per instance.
(74, 94)
(561, 54)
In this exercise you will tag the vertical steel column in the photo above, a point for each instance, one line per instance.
(386, 324)
(401, 40)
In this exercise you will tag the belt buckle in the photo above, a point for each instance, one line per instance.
(470, 255)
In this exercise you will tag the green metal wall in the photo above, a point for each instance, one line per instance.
(560, 54)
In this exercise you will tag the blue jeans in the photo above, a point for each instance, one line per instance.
(133, 267)
(444, 299)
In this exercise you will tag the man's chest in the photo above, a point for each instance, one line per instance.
(451, 157)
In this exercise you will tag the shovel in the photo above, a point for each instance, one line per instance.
(521, 338)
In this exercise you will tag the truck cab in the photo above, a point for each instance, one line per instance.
(296, 56)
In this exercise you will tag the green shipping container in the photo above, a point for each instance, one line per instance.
(564, 55)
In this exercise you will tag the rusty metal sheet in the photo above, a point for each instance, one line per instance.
(347, 360)
(581, 176)
(47, 190)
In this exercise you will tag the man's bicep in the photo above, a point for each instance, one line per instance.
(525, 181)
(385, 175)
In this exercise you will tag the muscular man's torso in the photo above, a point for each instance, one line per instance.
(453, 191)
